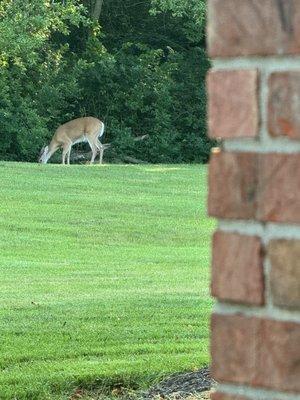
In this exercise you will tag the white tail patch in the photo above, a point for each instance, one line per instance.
(102, 130)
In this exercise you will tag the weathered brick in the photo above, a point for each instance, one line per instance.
(278, 191)
(232, 185)
(237, 268)
(225, 396)
(284, 104)
(278, 358)
(285, 272)
(233, 103)
(253, 27)
(257, 352)
(255, 186)
(234, 347)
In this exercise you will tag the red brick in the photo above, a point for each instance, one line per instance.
(255, 186)
(232, 185)
(284, 104)
(225, 396)
(257, 352)
(253, 27)
(278, 194)
(234, 347)
(237, 268)
(233, 103)
(285, 272)
(278, 359)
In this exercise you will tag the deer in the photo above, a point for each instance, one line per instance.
(86, 129)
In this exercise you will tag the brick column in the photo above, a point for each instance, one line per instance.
(254, 191)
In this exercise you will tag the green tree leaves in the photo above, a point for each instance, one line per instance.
(141, 69)
(37, 70)
(190, 12)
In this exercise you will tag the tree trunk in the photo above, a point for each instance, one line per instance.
(96, 11)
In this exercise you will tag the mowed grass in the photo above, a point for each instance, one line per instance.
(104, 276)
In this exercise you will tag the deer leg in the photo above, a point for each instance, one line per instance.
(101, 155)
(63, 157)
(69, 154)
(66, 150)
(94, 151)
(100, 147)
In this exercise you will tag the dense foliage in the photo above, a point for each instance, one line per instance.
(140, 67)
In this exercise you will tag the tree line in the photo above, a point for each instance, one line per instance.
(138, 65)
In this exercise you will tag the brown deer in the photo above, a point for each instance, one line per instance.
(87, 129)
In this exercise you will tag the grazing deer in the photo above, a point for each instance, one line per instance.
(87, 129)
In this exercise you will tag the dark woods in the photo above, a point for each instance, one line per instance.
(139, 65)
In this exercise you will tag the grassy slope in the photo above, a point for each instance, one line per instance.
(104, 275)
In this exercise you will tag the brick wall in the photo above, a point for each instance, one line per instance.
(254, 191)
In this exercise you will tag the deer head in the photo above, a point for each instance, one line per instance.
(43, 155)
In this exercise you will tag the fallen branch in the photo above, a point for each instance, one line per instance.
(132, 160)
(140, 138)
(82, 157)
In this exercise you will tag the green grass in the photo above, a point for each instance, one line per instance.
(104, 276)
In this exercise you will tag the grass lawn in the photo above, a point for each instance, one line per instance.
(104, 276)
